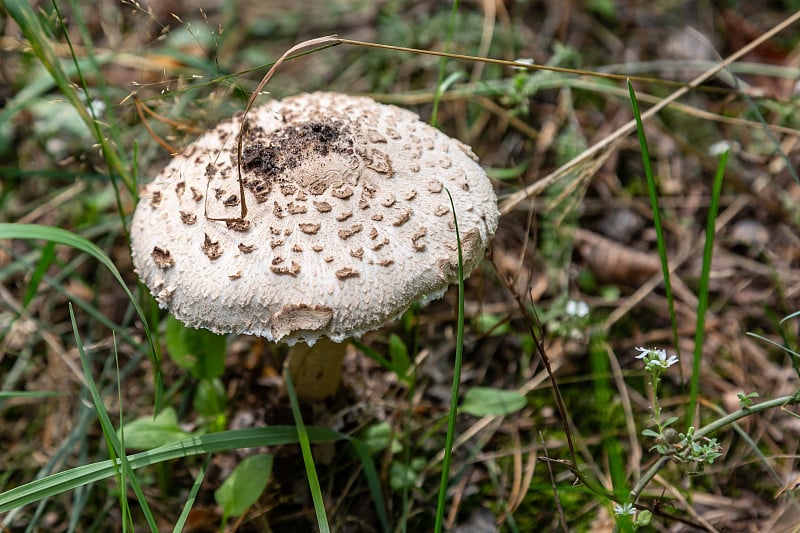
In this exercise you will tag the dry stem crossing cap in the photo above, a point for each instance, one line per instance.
(348, 220)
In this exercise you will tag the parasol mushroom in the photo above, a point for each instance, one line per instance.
(348, 223)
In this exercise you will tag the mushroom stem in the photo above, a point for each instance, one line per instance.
(316, 370)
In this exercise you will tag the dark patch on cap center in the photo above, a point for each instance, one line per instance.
(268, 158)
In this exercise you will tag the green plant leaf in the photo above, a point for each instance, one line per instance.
(47, 258)
(150, 432)
(209, 400)
(405, 476)
(669, 421)
(244, 486)
(199, 351)
(399, 355)
(378, 437)
(488, 401)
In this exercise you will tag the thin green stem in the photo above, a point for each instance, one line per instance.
(308, 458)
(443, 62)
(648, 477)
(702, 291)
(451, 420)
(710, 428)
(656, 404)
(741, 413)
(662, 247)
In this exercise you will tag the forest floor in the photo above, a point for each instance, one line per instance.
(573, 274)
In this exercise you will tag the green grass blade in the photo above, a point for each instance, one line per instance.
(402, 374)
(373, 481)
(605, 405)
(113, 158)
(443, 62)
(67, 238)
(662, 247)
(122, 494)
(28, 394)
(451, 419)
(187, 507)
(114, 445)
(212, 442)
(702, 296)
(23, 13)
(46, 259)
(308, 459)
(796, 314)
(777, 345)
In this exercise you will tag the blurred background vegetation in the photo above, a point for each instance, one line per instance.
(580, 254)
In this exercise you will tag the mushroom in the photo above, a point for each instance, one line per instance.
(347, 223)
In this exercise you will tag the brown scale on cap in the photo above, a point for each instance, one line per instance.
(329, 180)
(292, 270)
(162, 258)
(435, 186)
(402, 217)
(310, 228)
(238, 225)
(212, 249)
(322, 207)
(345, 273)
(296, 209)
(188, 218)
(345, 234)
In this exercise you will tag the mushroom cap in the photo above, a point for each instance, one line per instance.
(348, 220)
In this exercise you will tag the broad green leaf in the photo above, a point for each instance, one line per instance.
(488, 401)
(150, 432)
(244, 486)
(199, 351)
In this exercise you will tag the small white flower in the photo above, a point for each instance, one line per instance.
(98, 107)
(524, 61)
(643, 352)
(626, 509)
(656, 356)
(718, 148)
(577, 308)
